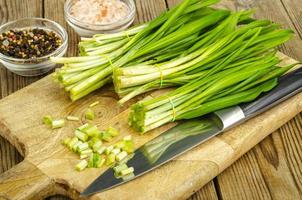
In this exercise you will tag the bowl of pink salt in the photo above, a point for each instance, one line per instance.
(90, 17)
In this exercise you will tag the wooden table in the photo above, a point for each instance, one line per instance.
(271, 170)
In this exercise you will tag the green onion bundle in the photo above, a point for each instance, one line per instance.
(162, 39)
(242, 83)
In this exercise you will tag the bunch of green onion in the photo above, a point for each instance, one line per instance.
(162, 39)
(229, 87)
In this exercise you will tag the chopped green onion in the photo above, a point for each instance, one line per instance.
(93, 140)
(110, 159)
(129, 146)
(87, 152)
(94, 104)
(119, 168)
(97, 145)
(82, 136)
(72, 142)
(76, 145)
(83, 127)
(89, 114)
(92, 131)
(100, 163)
(127, 171)
(84, 156)
(122, 155)
(101, 150)
(119, 144)
(58, 123)
(116, 151)
(112, 131)
(108, 150)
(47, 120)
(106, 136)
(81, 165)
(72, 118)
(83, 147)
(127, 138)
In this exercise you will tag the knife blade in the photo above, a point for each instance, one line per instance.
(191, 133)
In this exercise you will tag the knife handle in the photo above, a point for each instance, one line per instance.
(288, 86)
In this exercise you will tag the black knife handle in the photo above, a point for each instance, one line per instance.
(288, 86)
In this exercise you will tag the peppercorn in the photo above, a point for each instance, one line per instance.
(31, 43)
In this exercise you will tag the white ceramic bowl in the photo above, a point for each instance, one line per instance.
(88, 30)
(34, 66)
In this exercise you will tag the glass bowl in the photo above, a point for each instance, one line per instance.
(34, 66)
(88, 30)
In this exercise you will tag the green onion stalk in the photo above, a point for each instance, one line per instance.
(160, 40)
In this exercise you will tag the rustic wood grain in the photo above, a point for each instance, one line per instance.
(290, 152)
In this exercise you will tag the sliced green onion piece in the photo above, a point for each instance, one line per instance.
(83, 127)
(81, 165)
(127, 171)
(82, 136)
(128, 176)
(92, 141)
(116, 151)
(87, 152)
(93, 131)
(84, 156)
(72, 142)
(97, 145)
(100, 163)
(59, 123)
(108, 150)
(106, 137)
(94, 104)
(83, 147)
(101, 150)
(127, 138)
(119, 168)
(72, 118)
(112, 131)
(89, 114)
(119, 144)
(75, 146)
(121, 156)
(110, 159)
(47, 120)
(129, 146)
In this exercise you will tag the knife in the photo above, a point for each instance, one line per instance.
(191, 133)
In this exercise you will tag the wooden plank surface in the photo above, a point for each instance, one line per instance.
(271, 170)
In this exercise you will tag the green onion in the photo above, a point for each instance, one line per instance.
(97, 145)
(108, 150)
(112, 131)
(106, 136)
(72, 118)
(89, 114)
(110, 159)
(122, 155)
(86, 152)
(47, 120)
(82, 136)
(82, 147)
(58, 123)
(81, 165)
(101, 150)
(72, 142)
(126, 171)
(115, 151)
(94, 104)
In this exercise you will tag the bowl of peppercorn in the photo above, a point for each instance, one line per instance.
(27, 44)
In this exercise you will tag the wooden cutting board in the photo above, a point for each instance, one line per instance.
(48, 167)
